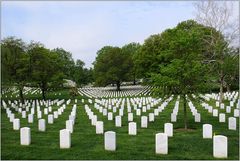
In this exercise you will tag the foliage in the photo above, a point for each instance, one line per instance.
(130, 51)
(33, 64)
(110, 66)
(46, 67)
(66, 61)
(176, 61)
(14, 63)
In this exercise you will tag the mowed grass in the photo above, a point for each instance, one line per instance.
(86, 144)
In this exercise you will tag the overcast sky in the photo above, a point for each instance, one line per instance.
(85, 27)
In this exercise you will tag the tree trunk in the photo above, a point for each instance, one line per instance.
(134, 79)
(118, 86)
(185, 111)
(228, 87)
(221, 87)
(43, 88)
(21, 94)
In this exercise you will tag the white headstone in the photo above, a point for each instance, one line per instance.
(30, 118)
(69, 125)
(222, 106)
(16, 124)
(144, 109)
(55, 114)
(25, 136)
(220, 146)
(110, 116)
(121, 112)
(110, 140)
(138, 112)
(99, 127)
(50, 109)
(173, 117)
(50, 119)
(104, 112)
(45, 111)
(132, 128)
(222, 117)
(231, 103)
(168, 129)
(39, 114)
(93, 120)
(215, 112)
(232, 123)
(228, 109)
(144, 121)
(236, 113)
(24, 115)
(197, 117)
(41, 125)
(161, 143)
(65, 139)
(12, 116)
(130, 116)
(207, 131)
(118, 121)
(151, 117)
(114, 109)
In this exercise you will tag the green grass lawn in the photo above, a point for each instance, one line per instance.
(86, 144)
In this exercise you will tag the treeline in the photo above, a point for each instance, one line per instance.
(188, 58)
(33, 64)
(185, 59)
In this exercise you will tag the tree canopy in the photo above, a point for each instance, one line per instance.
(32, 64)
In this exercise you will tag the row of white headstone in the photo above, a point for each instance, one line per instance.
(110, 136)
(41, 122)
(118, 120)
(175, 110)
(232, 121)
(197, 116)
(100, 92)
(220, 145)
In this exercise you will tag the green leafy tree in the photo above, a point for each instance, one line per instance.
(88, 73)
(66, 61)
(130, 51)
(14, 63)
(176, 61)
(148, 57)
(110, 66)
(231, 69)
(79, 76)
(46, 68)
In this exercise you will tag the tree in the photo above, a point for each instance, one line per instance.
(218, 16)
(79, 75)
(177, 61)
(46, 67)
(14, 63)
(110, 66)
(66, 61)
(130, 51)
(231, 69)
(146, 58)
